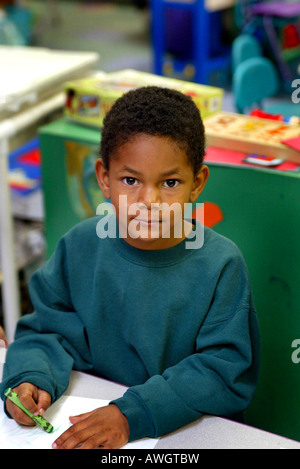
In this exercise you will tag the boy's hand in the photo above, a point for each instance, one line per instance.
(36, 400)
(106, 427)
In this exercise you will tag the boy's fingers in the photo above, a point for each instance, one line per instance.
(28, 398)
(34, 399)
(17, 414)
(72, 437)
(79, 418)
(44, 401)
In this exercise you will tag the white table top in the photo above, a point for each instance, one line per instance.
(26, 71)
(208, 432)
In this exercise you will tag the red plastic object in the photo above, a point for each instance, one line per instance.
(266, 115)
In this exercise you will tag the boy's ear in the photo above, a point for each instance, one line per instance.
(199, 182)
(102, 178)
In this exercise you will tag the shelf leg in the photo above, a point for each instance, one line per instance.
(10, 285)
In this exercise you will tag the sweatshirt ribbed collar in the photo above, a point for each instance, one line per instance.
(156, 258)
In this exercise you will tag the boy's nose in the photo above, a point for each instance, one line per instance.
(148, 196)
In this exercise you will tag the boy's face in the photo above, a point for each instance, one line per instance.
(148, 175)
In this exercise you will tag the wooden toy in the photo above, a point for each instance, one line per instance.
(252, 135)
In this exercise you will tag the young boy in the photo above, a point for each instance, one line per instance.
(136, 303)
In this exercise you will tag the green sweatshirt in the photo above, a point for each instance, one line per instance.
(177, 326)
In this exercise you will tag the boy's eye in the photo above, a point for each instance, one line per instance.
(130, 181)
(171, 183)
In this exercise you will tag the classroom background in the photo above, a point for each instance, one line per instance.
(63, 63)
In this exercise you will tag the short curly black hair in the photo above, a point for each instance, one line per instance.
(158, 111)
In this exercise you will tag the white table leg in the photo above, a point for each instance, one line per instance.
(10, 286)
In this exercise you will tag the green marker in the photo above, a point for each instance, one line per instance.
(43, 423)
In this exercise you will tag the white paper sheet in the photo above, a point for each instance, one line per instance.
(14, 436)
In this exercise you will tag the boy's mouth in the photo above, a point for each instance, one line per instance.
(147, 222)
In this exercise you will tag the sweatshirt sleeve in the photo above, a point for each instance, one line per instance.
(51, 341)
(218, 379)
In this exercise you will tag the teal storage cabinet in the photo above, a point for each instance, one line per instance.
(71, 191)
(261, 214)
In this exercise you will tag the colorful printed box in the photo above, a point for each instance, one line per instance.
(88, 100)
